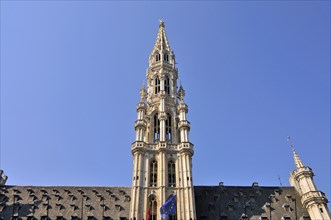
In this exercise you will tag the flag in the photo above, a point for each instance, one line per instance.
(169, 207)
(148, 213)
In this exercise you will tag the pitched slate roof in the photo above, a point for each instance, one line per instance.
(41, 202)
(234, 202)
(113, 203)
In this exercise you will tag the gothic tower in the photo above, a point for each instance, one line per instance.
(162, 152)
(311, 198)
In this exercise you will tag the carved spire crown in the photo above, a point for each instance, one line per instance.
(161, 50)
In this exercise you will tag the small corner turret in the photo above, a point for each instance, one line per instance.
(184, 124)
(312, 199)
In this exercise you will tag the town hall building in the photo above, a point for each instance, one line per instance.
(162, 180)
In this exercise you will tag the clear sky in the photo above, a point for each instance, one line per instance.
(254, 72)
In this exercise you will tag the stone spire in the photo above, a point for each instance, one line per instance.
(162, 50)
(297, 161)
(161, 42)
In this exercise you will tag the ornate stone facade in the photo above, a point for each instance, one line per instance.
(162, 168)
(162, 151)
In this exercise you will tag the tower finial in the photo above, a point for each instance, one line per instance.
(161, 23)
(297, 161)
(290, 142)
(181, 93)
(143, 93)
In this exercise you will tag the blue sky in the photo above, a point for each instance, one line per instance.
(254, 72)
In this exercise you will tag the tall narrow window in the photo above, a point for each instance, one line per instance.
(168, 128)
(153, 173)
(166, 57)
(156, 128)
(167, 85)
(157, 85)
(171, 174)
(152, 208)
(157, 57)
(177, 130)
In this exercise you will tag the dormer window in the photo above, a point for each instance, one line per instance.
(157, 85)
(157, 57)
(286, 207)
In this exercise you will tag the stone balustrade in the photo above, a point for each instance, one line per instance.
(139, 145)
(313, 196)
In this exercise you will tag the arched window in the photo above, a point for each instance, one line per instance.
(153, 173)
(171, 174)
(167, 85)
(157, 85)
(156, 128)
(168, 128)
(166, 57)
(157, 57)
(152, 209)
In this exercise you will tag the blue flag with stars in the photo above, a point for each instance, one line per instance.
(169, 207)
